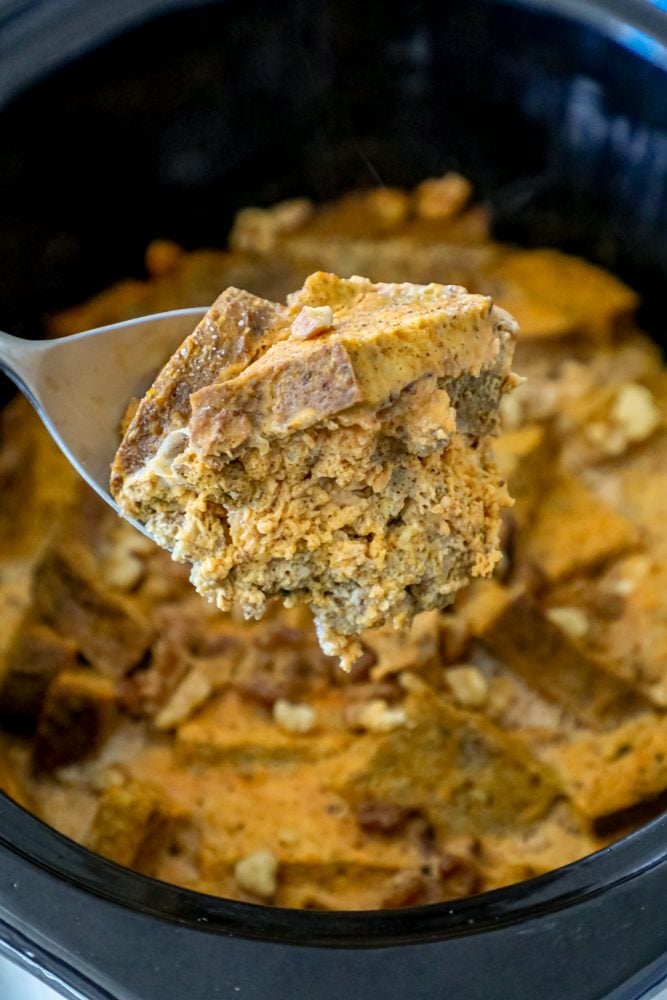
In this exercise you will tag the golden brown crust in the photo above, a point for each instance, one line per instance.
(285, 393)
(237, 327)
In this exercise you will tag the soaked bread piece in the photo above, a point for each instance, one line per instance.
(133, 824)
(69, 596)
(607, 773)
(489, 782)
(574, 531)
(553, 295)
(35, 656)
(526, 638)
(333, 451)
(76, 718)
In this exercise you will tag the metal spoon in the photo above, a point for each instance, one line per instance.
(81, 385)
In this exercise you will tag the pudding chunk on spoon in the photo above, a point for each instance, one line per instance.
(335, 450)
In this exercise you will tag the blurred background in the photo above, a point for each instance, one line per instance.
(125, 122)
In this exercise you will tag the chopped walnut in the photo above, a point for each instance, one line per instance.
(112, 776)
(634, 571)
(632, 416)
(412, 682)
(360, 696)
(257, 873)
(390, 205)
(123, 570)
(257, 230)
(572, 621)
(193, 691)
(379, 717)
(635, 411)
(511, 412)
(312, 321)
(124, 567)
(291, 213)
(442, 197)
(293, 718)
(468, 685)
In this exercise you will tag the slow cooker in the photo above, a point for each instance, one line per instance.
(140, 118)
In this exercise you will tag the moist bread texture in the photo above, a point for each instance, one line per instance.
(334, 451)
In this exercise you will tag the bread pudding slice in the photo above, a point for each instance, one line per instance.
(334, 450)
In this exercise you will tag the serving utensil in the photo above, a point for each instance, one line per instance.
(81, 385)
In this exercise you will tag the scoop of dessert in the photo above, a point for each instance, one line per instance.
(335, 450)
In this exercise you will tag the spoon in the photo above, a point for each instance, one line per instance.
(81, 385)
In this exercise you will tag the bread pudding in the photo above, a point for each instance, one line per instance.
(334, 451)
(518, 730)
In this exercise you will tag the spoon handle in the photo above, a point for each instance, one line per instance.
(17, 360)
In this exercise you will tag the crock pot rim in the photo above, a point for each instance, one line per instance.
(597, 873)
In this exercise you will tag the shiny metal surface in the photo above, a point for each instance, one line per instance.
(81, 385)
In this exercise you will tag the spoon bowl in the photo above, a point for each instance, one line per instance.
(81, 385)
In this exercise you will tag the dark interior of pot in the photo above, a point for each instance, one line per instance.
(171, 128)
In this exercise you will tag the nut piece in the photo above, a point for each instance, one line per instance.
(257, 873)
(191, 693)
(468, 685)
(293, 718)
(378, 717)
(635, 411)
(312, 321)
(511, 412)
(572, 621)
(442, 197)
(411, 682)
(123, 570)
(257, 230)
(390, 205)
(112, 776)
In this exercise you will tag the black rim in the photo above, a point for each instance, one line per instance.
(598, 873)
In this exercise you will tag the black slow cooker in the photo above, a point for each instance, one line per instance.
(128, 120)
